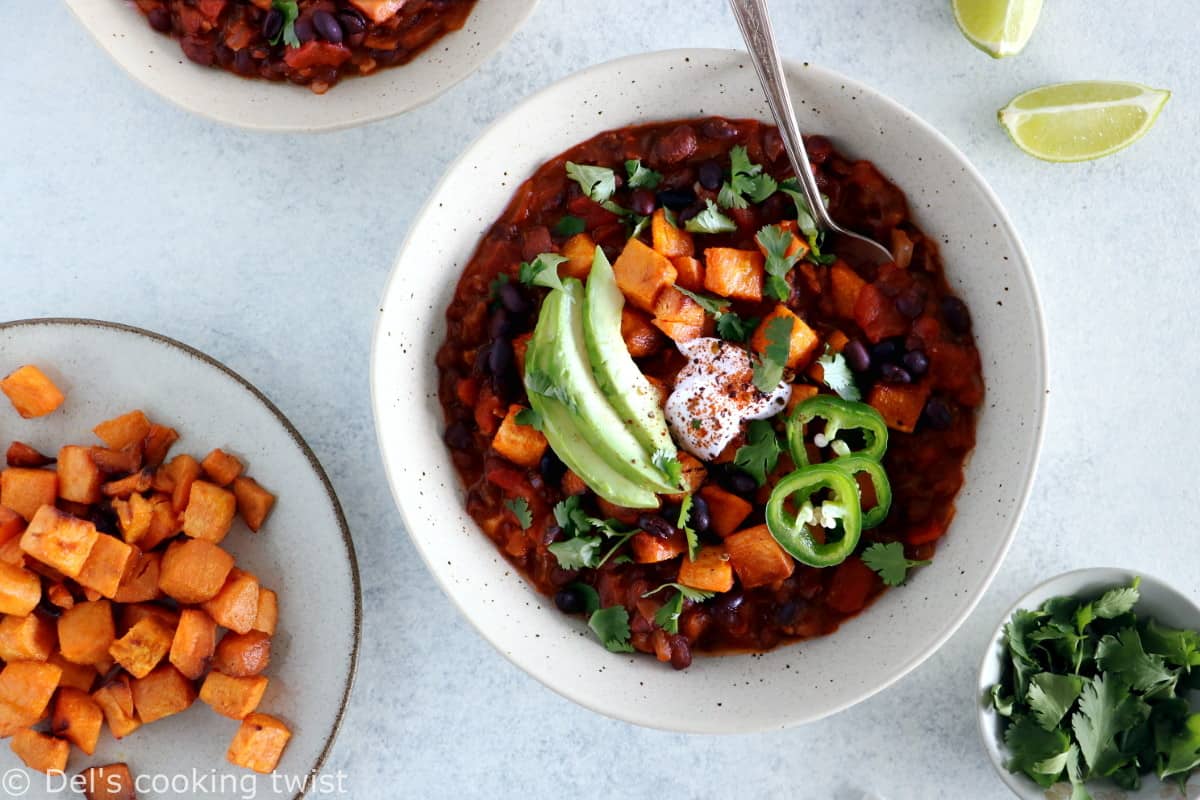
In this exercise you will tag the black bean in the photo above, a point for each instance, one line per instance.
(937, 414)
(305, 31)
(857, 356)
(272, 24)
(689, 212)
(681, 652)
(514, 299)
(885, 352)
(501, 357)
(500, 325)
(642, 202)
(786, 614)
(352, 22)
(549, 536)
(915, 362)
(739, 482)
(700, 518)
(327, 25)
(160, 19)
(911, 302)
(570, 600)
(551, 467)
(893, 374)
(711, 175)
(244, 63)
(727, 607)
(656, 526)
(507, 385)
(459, 437)
(676, 199)
(955, 312)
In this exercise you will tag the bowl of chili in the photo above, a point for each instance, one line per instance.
(525, 540)
(300, 65)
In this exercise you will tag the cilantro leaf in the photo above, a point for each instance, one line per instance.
(538, 382)
(527, 416)
(291, 12)
(804, 215)
(1116, 602)
(728, 197)
(1051, 697)
(836, 374)
(569, 226)
(611, 626)
(710, 220)
(520, 508)
(768, 371)
(668, 464)
(1182, 754)
(578, 552)
(761, 452)
(685, 518)
(715, 306)
(1106, 708)
(1003, 704)
(667, 617)
(542, 271)
(890, 562)
(1178, 647)
(641, 177)
(598, 183)
(1122, 655)
(571, 517)
(732, 328)
(1031, 747)
(494, 286)
(591, 598)
(747, 178)
(776, 241)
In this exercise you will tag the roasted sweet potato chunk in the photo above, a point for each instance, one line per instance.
(757, 557)
(41, 752)
(140, 581)
(677, 315)
(242, 654)
(802, 345)
(182, 472)
(726, 510)
(157, 444)
(254, 502)
(164, 523)
(20, 590)
(233, 697)
(669, 240)
(86, 631)
(133, 517)
(194, 643)
(27, 687)
(268, 611)
(116, 701)
(59, 540)
(691, 273)
(235, 606)
(79, 478)
(210, 511)
(143, 646)
(221, 468)
(579, 251)
(31, 392)
(194, 570)
(26, 490)
(649, 549)
(642, 273)
(845, 285)
(641, 338)
(122, 431)
(134, 613)
(106, 565)
(735, 274)
(710, 571)
(22, 455)
(259, 743)
(111, 782)
(76, 676)
(77, 718)
(163, 692)
(900, 405)
(113, 462)
(521, 444)
(27, 638)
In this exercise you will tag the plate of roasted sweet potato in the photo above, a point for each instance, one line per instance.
(179, 599)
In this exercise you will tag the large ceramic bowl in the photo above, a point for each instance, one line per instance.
(794, 684)
(158, 62)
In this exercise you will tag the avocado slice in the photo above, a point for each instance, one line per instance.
(569, 444)
(626, 388)
(564, 372)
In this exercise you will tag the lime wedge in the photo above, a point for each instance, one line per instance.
(1081, 121)
(998, 27)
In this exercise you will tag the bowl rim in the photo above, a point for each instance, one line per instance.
(1041, 376)
(1019, 784)
(309, 455)
(188, 103)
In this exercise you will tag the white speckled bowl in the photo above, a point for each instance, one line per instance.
(792, 684)
(1166, 604)
(158, 62)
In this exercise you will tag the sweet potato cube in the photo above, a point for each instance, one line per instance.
(59, 540)
(726, 510)
(27, 686)
(235, 606)
(242, 654)
(41, 752)
(183, 471)
(259, 743)
(796, 247)
(20, 590)
(164, 523)
(77, 718)
(163, 692)
(86, 631)
(711, 571)
(845, 285)
(75, 676)
(641, 338)
(210, 511)
(157, 444)
(802, 345)
(675, 313)
(195, 642)
(692, 475)
(27, 638)
(649, 549)
(379, 10)
(736, 274)
(134, 613)
(691, 273)
(579, 251)
(642, 273)
(122, 431)
(111, 782)
(143, 646)
(20, 454)
(523, 445)
(12, 524)
(268, 611)
(116, 701)
(133, 517)
(220, 467)
(105, 566)
(757, 557)
(26, 490)
(31, 392)
(129, 485)
(113, 462)
(232, 697)
(253, 502)
(140, 582)
(900, 405)
(194, 570)
(79, 478)
(669, 240)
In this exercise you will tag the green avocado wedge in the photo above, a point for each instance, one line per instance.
(563, 371)
(622, 382)
(568, 443)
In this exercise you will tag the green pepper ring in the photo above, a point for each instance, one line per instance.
(839, 415)
(796, 538)
(854, 464)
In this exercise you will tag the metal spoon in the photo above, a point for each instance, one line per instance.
(755, 24)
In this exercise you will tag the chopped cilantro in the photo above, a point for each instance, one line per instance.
(1123, 655)
(527, 416)
(291, 12)
(710, 220)
(598, 183)
(668, 464)
(519, 507)
(729, 198)
(747, 178)
(611, 626)
(667, 617)
(494, 286)
(761, 452)
(1116, 602)
(591, 598)
(1051, 697)
(714, 306)
(733, 328)
(684, 524)
(577, 553)
(538, 382)
(890, 562)
(569, 226)
(542, 271)
(776, 241)
(582, 546)
(641, 177)
(836, 374)
(697, 424)
(768, 371)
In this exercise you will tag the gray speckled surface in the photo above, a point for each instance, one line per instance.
(270, 252)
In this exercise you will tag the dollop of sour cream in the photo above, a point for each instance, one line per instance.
(715, 395)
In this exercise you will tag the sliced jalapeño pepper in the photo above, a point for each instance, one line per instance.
(839, 415)
(856, 465)
(792, 513)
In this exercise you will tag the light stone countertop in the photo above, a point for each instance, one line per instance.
(270, 253)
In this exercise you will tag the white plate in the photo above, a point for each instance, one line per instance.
(984, 262)
(158, 62)
(1165, 604)
(303, 551)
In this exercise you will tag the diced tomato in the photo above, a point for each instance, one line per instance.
(592, 213)
(488, 412)
(876, 314)
(316, 54)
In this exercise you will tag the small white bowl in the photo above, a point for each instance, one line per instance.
(1165, 604)
(158, 62)
(985, 264)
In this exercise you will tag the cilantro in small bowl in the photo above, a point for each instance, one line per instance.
(1092, 681)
